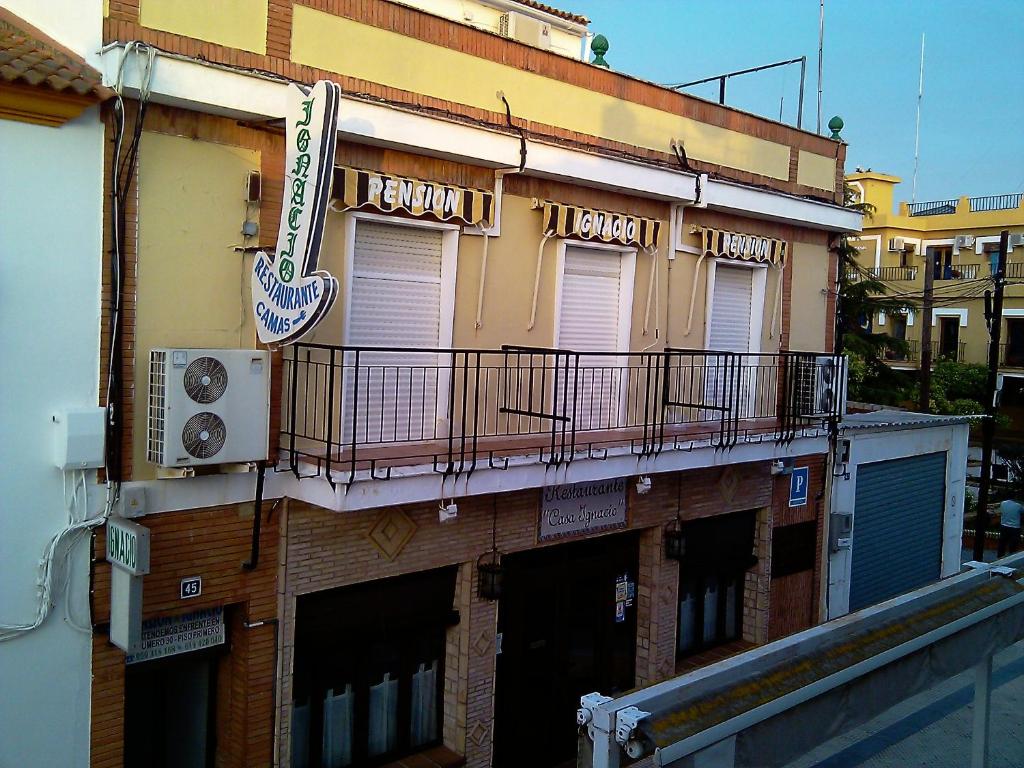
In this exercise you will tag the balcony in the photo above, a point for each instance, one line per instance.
(366, 410)
(1011, 355)
(996, 202)
(957, 272)
(912, 353)
(933, 208)
(882, 273)
(949, 352)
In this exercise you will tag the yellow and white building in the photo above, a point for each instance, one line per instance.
(958, 239)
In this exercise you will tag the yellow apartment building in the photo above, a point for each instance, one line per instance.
(958, 239)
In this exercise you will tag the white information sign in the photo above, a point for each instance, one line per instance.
(571, 510)
(171, 635)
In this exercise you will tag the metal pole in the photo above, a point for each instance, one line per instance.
(926, 332)
(800, 98)
(988, 426)
(721, 90)
(982, 708)
(917, 127)
(821, 46)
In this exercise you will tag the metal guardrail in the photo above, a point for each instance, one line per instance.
(912, 353)
(933, 207)
(996, 202)
(938, 353)
(1015, 270)
(958, 272)
(882, 273)
(1011, 356)
(366, 409)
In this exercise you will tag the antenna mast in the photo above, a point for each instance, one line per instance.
(917, 128)
(821, 43)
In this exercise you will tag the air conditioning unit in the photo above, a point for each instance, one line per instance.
(208, 406)
(1016, 240)
(896, 244)
(821, 386)
(525, 29)
(963, 241)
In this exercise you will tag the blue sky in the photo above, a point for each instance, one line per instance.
(972, 119)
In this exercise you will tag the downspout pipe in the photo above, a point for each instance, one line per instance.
(257, 519)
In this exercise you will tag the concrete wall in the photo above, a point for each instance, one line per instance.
(50, 214)
(882, 445)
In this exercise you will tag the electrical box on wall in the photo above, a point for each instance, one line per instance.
(79, 439)
(840, 530)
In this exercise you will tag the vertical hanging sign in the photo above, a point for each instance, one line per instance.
(289, 295)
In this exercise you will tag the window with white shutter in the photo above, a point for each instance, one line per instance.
(395, 301)
(729, 330)
(730, 309)
(590, 320)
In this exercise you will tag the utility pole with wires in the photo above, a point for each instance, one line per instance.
(994, 318)
(926, 331)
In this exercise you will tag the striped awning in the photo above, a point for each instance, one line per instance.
(358, 188)
(734, 245)
(590, 224)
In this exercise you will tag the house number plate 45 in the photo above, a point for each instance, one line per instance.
(191, 587)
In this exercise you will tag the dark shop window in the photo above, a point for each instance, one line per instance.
(793, 548)
(369, 670)
(718, 552)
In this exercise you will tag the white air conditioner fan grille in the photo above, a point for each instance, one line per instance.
(204, 435)
(206, 379)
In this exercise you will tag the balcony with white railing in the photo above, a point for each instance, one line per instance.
(360, 412)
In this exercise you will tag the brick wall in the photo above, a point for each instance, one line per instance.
(794, 598)
(212, 543)
(325, 550)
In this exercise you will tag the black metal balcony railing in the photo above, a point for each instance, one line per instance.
(996, 202)
(1011, 355)
(350, 409)
(933, 207)
(947, 351)
(911, 354)
(958, 272)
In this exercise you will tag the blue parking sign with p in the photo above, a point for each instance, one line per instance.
(798, 482)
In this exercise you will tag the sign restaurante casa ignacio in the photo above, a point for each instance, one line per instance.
(568, 510)
(289, 295)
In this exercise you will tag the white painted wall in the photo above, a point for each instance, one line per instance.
(870, 446)
(50, 252)
(75, 24)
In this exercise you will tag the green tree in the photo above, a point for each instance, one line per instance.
(861, 297)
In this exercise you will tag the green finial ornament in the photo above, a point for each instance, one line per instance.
(599, 45)
(835, 125)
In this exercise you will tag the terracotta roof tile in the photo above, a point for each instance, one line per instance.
(29, 56)
(567, 15)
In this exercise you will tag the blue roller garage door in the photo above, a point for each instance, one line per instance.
(897, 527)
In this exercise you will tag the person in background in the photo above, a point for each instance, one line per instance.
(1009, 526)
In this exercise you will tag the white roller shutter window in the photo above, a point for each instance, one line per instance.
(730, 309)
(589, 321)
(395, 302)
(730, 332)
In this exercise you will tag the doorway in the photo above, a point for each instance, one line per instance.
(949, 338)
(170, 711)
(560, 638)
